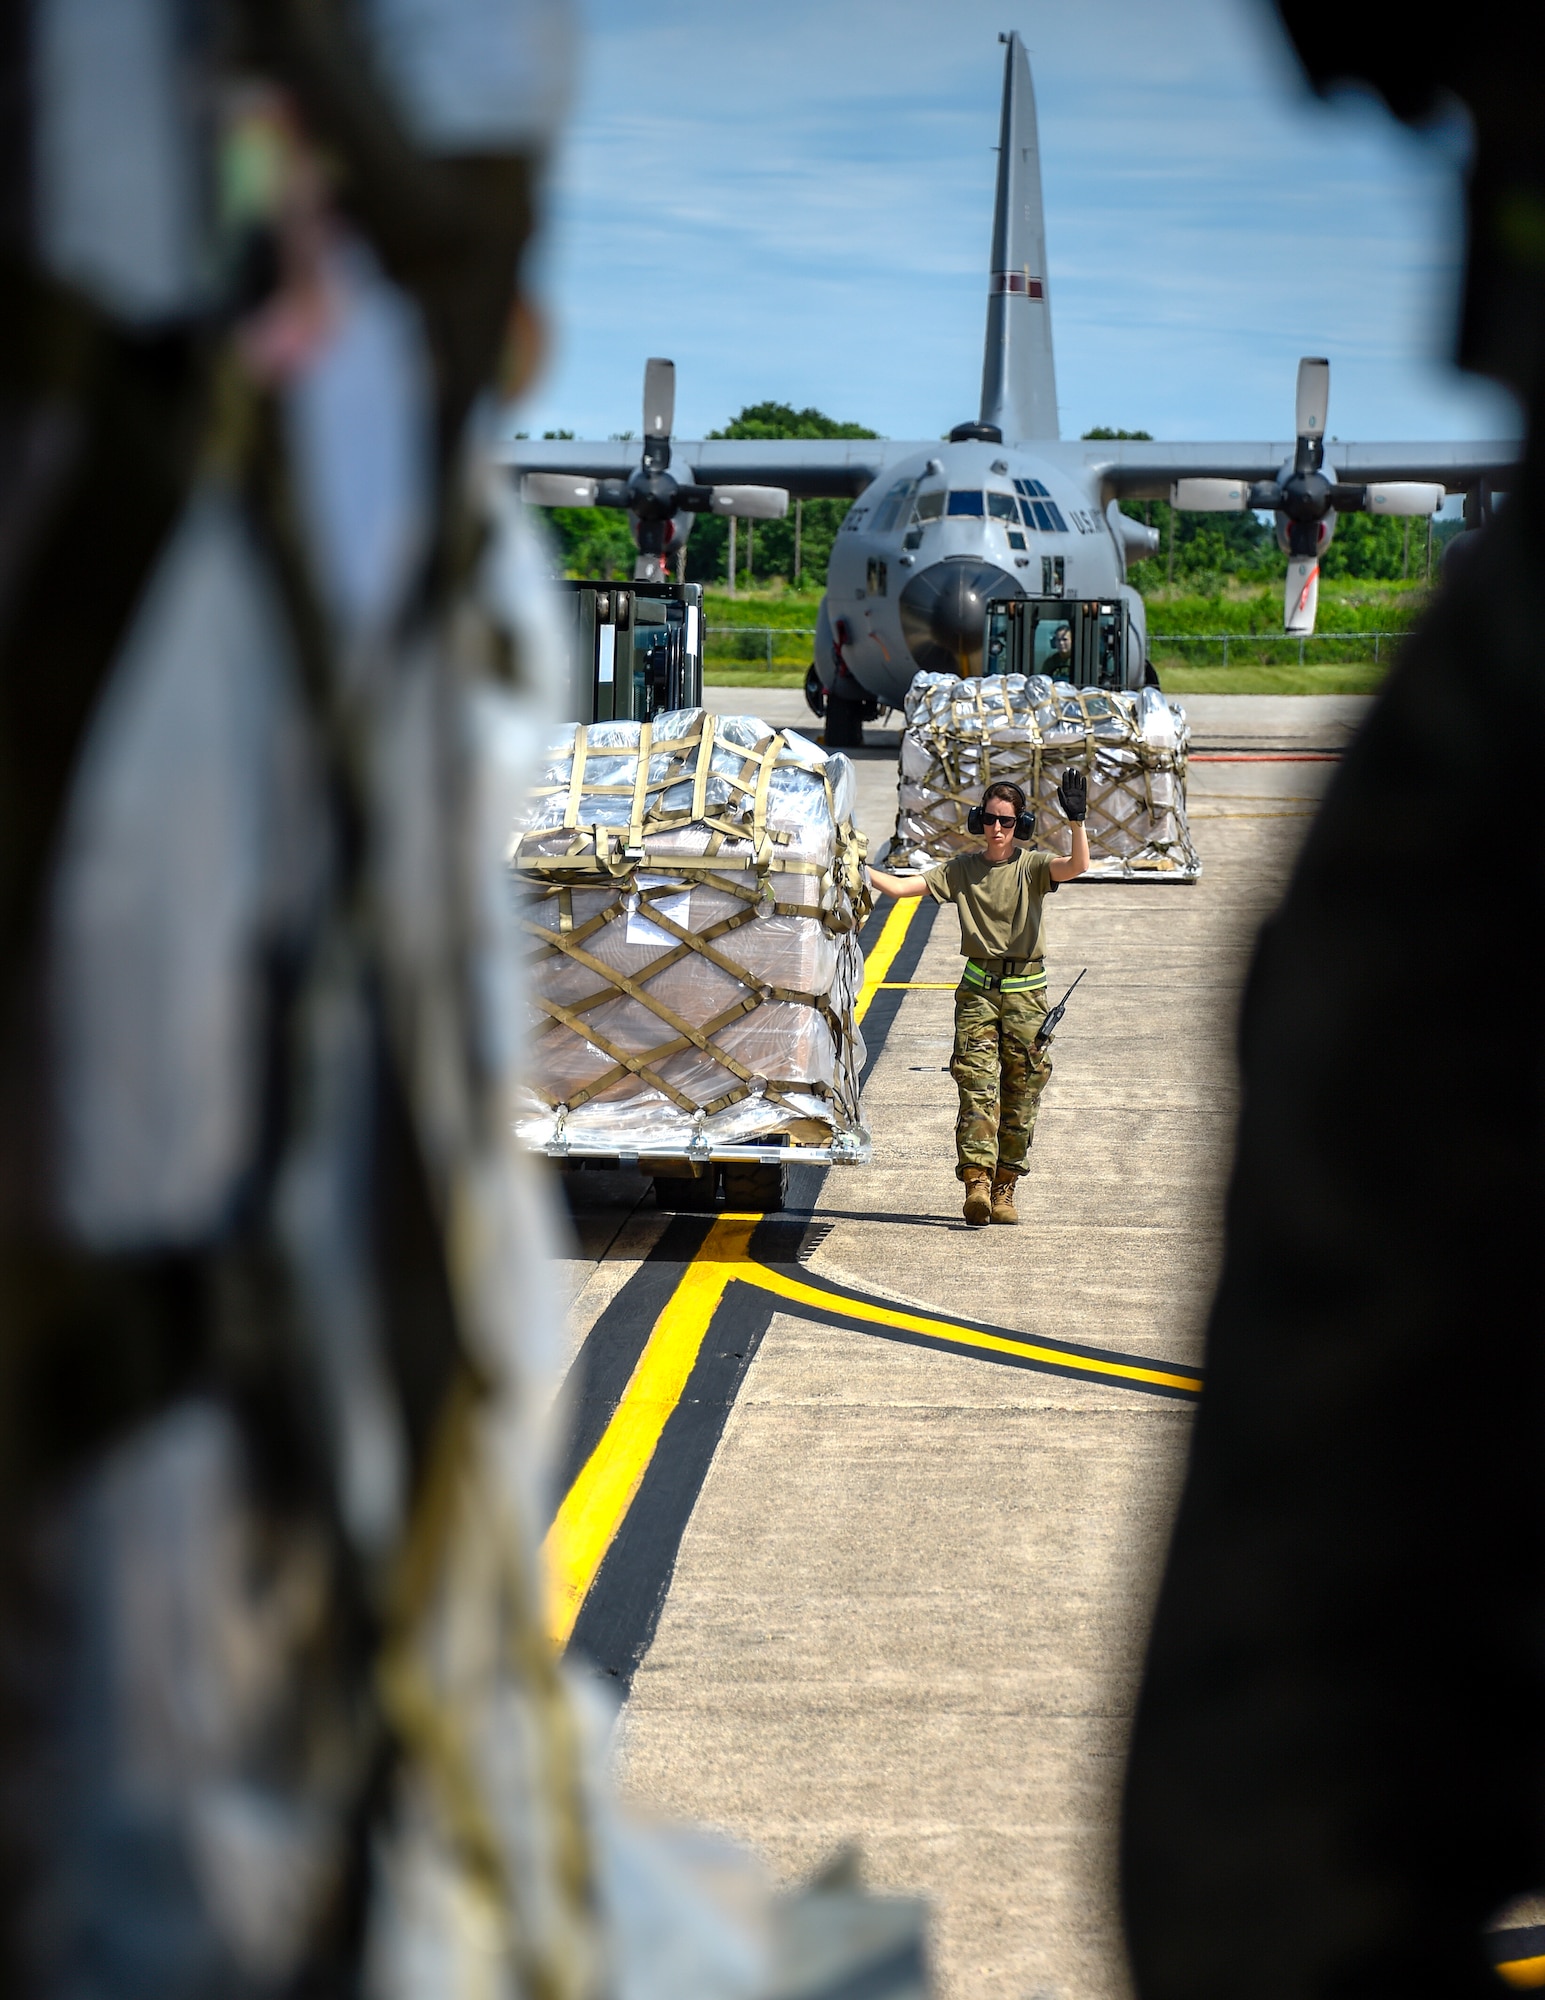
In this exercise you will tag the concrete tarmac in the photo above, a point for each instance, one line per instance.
(910, 1585)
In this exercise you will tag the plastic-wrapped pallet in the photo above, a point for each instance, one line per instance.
(694, 888)
(962, 734)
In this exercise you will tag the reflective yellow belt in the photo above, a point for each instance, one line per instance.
(1009, 982)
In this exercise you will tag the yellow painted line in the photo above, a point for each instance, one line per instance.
(883, 957)
(769, 1280)
(596, 1505)
(916, 985)
(1523, 1971)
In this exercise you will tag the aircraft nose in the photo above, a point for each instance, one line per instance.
(944, 613)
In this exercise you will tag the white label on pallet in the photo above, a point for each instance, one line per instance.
(676, 908)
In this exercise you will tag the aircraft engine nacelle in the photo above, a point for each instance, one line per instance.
(677, 529)
(1210, 496)
(1135, 539)
(1325, 529)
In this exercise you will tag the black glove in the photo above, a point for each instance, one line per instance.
(1073, 795)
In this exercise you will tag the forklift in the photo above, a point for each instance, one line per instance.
(634, 649)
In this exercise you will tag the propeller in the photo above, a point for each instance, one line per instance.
(652, 495)
(1304, 500)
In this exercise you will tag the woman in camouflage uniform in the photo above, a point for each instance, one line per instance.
(1001, 1000)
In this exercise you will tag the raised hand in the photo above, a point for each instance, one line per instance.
(1073, 794)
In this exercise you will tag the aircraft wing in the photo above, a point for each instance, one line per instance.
(1140, 470)
(807, 468)
(582, 457)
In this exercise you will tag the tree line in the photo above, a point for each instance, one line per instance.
(1197, 552)
(598, 542)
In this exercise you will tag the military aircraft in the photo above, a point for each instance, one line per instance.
(940, 533)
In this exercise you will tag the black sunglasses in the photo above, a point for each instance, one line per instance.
(992, 819)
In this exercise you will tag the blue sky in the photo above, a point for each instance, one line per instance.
(795, 201)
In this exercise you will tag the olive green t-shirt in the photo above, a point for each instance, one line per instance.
(999, 903)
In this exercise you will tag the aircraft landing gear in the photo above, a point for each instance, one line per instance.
(844, 724)
(847, 705)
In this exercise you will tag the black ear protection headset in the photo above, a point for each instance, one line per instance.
(1024, 828)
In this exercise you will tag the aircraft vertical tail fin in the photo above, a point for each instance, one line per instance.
(1019, 382)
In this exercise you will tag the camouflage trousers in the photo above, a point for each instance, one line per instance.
(999, 1075)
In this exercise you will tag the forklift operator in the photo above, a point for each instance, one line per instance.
(1000, 1003)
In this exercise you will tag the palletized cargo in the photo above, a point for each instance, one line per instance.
(961, 735)
(692, 887)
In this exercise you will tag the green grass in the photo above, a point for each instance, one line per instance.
(1348, 606)
(1338, 677)
(1347, 603)
(739, 676)
(747, 654)
(738, 660)
(777, 606)
(1334, 677)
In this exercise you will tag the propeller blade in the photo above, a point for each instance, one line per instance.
(751, 503)
(659, 398)
(557, 489)
(1406, 496)
(1302, 597)
(1313, 396)
(1210, 496)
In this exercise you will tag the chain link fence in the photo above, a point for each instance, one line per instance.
(1272, 649)
(781, 646)
(766, 646)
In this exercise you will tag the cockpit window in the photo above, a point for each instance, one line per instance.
(966, 503)
(1044, 516)
(929, 506)
(1041, 512)
(1001, 507)
(895, 504)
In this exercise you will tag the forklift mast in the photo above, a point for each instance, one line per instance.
(634, 649)
(1085, 640)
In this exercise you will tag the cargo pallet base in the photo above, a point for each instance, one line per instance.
(692, 889)
(749, 1177)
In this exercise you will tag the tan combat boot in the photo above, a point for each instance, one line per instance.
(1003, 1209)
(978, 1208)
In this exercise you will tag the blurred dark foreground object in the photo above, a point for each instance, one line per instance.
(280, 1712)
(277, 1714)
(1338, 1766)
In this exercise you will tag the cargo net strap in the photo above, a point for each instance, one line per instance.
(660, 768)
(740, 843)
(965, 757)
